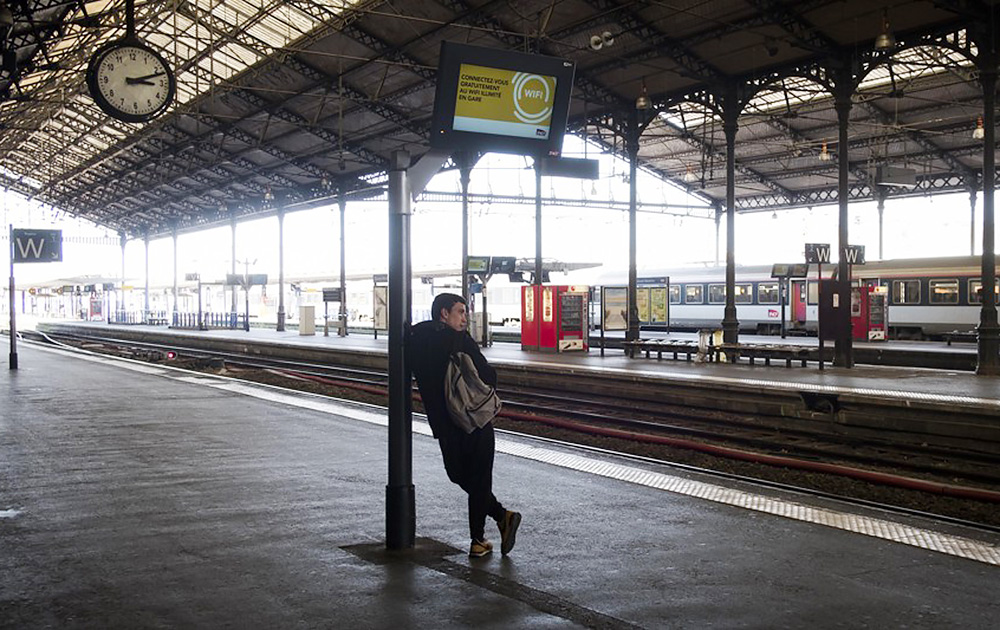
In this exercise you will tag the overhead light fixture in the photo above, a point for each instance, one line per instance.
(643, 101)
(689, 176)
(774, 214)
(598, 42)
(824, 155)
(885, 40)
(268, 195)
(979, 132)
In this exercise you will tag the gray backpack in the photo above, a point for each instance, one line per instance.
(472, 404)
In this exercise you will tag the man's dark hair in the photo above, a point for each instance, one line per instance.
(445, 301)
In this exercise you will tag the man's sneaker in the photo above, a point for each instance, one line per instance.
(480, 548)
(508, 530)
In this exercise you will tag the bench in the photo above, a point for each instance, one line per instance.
(766, 352)
(661, 346)
(969, 336)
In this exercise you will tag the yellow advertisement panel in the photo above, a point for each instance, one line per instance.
(504, 102)
(658, 305)
(642, 302)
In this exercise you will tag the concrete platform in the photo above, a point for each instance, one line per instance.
(908, 383)
(137, 496)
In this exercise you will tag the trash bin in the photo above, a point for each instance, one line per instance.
(307, 320)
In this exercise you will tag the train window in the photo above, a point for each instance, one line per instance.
(813, 293)
(943, 291)
(906, 291)
(675, 294)
(744, 293)
(767, 293)
(692, 294)
(976, 291)
(716, 294)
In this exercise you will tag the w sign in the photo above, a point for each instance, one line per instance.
(37, 245)
(817, 253)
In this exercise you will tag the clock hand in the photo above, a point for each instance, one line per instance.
(143, 80)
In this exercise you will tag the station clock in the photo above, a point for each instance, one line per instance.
(130, 81)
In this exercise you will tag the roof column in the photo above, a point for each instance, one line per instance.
(989, 331)
(281, 271)
(465, 177)
(730, 116)
(232, 231)
(121, 298)
(175, 310)
(400, 499)
(632, 148)
(880, 194)
(538, 222)
(972, 215)
(145, 314)
(843, 352)
(342, 202)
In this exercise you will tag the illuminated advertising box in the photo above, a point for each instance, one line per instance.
(500, 100)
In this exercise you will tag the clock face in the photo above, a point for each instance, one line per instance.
(130, 81)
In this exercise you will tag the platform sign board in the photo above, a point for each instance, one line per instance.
(331, 294)
(33, 246)
(818, 253)
(489, 99)
(854, 254)
(614, 308)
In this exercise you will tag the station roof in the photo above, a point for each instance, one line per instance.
(292, 102)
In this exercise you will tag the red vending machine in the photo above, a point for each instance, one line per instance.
(869, 313)
(554, 318)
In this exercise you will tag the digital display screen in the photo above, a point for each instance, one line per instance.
(489, 99)
(503, 102)
(478, 264)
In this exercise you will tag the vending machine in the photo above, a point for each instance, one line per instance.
(554, 318)
(869, 313)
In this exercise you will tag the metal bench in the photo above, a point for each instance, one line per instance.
(661, 346)
(788, 353)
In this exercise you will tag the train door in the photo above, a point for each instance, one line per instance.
(798, 298)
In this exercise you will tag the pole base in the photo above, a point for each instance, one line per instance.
(13, 360)
(400, 517)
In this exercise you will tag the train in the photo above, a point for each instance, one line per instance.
(925, 297)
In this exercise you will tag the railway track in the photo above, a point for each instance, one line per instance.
(771, 446)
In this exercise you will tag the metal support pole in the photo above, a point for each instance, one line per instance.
(972, 218)
(718, 229)
(400, 498)
(843, 352)
(343, 273)
(175, 309)
(538, 221)
(232, 230)
(730, 323)
(465, 177)
(121, 303)
(281, 272)
(145, 314)
(13, 303)
(201, 319)
(989, 331)
(632, 150)
(880, 196)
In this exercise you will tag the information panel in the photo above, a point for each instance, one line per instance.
(504, 102)
(614, 306)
